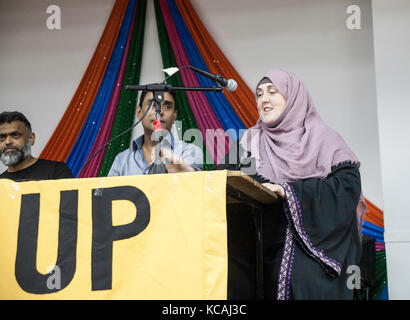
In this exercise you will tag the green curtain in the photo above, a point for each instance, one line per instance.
(381, 277)
(381, 273)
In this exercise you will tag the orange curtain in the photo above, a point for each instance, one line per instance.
(374, 215)
(63, 139)
(243, 99)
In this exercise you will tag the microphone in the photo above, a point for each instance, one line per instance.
(229, 84)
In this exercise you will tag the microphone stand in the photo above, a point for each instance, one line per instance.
(157, 166)
(158, 90)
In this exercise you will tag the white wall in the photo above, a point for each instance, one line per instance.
(40, 68)
(391, 43)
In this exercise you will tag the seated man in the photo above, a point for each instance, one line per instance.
(16, 139)
(178, 156)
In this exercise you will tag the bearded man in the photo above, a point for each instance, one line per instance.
(16, 139)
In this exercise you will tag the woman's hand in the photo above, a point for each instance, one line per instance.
(278, 189)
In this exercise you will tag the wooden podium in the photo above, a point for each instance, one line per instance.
(244, 193)
(242, 188)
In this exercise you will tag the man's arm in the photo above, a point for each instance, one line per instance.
(194, 156)
(115, 170)
(189, 159)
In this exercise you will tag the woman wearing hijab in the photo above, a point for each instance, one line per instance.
(310, 242)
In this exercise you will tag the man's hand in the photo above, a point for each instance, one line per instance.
(278, 189)
(173, 162)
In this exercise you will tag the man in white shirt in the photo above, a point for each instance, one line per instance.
(177, 155)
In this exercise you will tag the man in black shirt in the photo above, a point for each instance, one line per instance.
(16, 139)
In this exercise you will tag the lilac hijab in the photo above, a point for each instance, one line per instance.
(298, 145)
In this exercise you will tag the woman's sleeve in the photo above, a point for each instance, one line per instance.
(322, 215)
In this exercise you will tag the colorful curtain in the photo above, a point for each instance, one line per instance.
(185, 116)
(124, 117)
(65, 135)
(107, 94)
(243, 99)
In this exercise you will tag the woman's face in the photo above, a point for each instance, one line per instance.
(270, 103)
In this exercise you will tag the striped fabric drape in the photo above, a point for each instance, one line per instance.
(124, 116)
(65, 135)
(89, 131)
(185, 117)
(242, 99)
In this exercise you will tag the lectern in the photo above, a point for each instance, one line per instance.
(251, 209)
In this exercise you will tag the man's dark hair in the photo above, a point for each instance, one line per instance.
(143, 93)
(10, 116)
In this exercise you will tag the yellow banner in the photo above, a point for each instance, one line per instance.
(136, 237)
